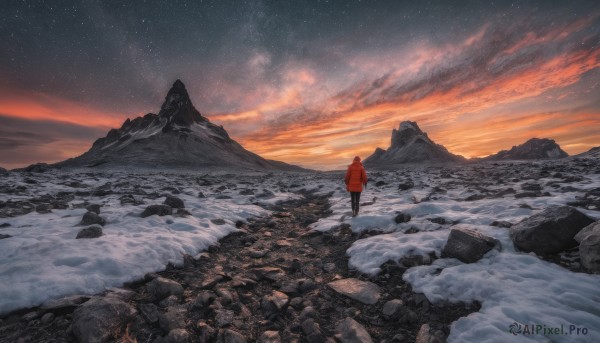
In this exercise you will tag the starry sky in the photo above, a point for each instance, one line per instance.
(312, 83)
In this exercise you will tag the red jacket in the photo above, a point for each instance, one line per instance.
(356, 176)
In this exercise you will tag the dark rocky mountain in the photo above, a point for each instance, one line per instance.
(592, 153)
(533, 149)
(410, 145)
(178, 136)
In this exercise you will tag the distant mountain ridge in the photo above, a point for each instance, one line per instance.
(178, 136)
(410, 145)
(534, 148)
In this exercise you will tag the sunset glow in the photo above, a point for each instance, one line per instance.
(506, 76)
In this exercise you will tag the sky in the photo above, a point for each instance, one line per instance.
(312, 83)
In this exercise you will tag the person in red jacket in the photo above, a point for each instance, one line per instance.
(356, 177)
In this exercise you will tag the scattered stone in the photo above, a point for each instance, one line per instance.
(43, 208)
(218, 221)
(402, 218)
(66, 304)
(150, 312)
(93, 208)
(29, 316)
(274, 303)
(160, 210)
(204, 299)
(101, 318)
(393, 308)
(170, 301)
(173, 318)
(223, 317)
(406, 185)
(174, 202)
(533, 187)
(90, 232)
(550, 231)
(211, 282)
(91, 218)
(230, 336)
(468, 245)
(268, 273)
(502, 223)
(270, 337)
(175, 336)
(424, 335)
(161, 288)
(350, 331)
(47, 318)
(363, 291)
(206, 332)
(4, 236)
(312, 330)
(3, 225)
(589, 247)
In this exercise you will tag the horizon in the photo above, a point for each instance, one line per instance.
(310, 84)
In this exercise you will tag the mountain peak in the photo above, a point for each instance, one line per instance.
(410, 145)
(178, 108)
(534, 148)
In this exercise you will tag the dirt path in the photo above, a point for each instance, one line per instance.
(267, 283)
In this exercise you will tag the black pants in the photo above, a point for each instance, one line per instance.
(355, 198)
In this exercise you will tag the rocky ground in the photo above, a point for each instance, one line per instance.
(273, 281)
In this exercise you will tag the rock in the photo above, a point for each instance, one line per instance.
(468, 245)
(170, 301)
(161, 288)
(211, 282)
(393, 308)
(230, 336)
(150, 312)
(66, 304)
(223, 317)
(204, 299)
(363, 291)
(402, 218)
(218, 221)
(29, 316)
(312, 330)
(47, 318)
(550, 231)
(100, 319)
(173, 318)
(3, 225)
(91, 218)
(43, 208)
(270, 337)
(589, 247)
(424, 335)
(406, 185)
(175, 336)
(160, 210)
(501, 223)
(533, 187)
(350, 331)
(90, 232)
(93, 208)
(174, 202)
(4, 236)
(206, 332)
(274, 303)
(268, 273)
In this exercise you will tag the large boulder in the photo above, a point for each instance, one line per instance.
(350, 331)
(468, 245)
(160, 210)
(589, 247)
(364, 291)
(161, 288)
(550, 231)
(101, 318)
(90, 232)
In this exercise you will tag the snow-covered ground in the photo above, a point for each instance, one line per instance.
(42, 259)
(513, 287)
